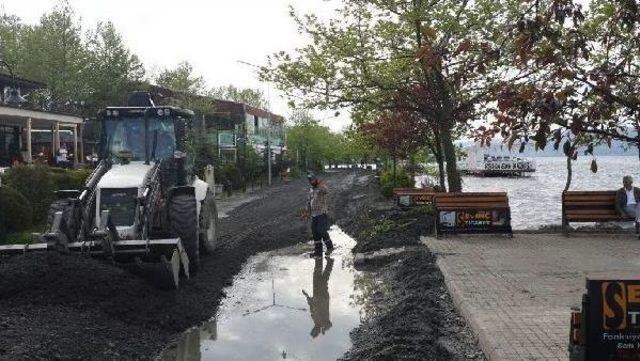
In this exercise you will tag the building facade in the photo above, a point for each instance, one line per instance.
(237, 127)
(20, 120)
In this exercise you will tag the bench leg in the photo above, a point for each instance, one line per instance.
(565, 227)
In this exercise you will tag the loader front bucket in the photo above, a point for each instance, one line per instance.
(159, 260)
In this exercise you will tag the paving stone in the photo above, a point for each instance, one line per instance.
(517, 294)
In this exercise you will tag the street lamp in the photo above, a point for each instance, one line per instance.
(14, 97)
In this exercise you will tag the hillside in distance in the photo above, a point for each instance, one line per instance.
(618, 148)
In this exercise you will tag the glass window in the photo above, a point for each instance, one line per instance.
(121, 204)
(127, 135)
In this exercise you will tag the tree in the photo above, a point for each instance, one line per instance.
(310, 142)
(53, 52)
(182, 79)
(96, 68)
(438, 59)
(112, 67)
(189, 88)
(585, 88)
(252, 97)
(396, 133)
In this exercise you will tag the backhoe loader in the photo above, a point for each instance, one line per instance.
(143, 207)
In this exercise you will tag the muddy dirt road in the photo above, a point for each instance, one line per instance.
(70, 307)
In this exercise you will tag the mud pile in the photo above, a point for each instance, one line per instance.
(378, 223)
(411, 316)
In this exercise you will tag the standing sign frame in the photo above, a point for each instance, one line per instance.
(470, 220)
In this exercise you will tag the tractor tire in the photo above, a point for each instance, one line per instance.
(70, 217)
(183, 217)
(208, 224)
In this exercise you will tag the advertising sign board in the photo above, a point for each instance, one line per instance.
(613, 319)
(474, 221)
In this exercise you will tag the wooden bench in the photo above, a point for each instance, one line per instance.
(473, 212)
(406, 197)
(590, 206)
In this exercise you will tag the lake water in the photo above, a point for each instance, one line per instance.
(536, 201)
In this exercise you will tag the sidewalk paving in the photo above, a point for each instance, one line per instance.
(517, 293)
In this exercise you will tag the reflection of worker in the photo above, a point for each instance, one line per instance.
(319, 303)
(317, 210)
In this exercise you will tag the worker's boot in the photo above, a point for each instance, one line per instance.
(318, 250)
(329, 245)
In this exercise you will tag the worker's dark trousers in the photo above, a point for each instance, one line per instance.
(319, 228)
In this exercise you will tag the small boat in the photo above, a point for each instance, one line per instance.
(479, 162)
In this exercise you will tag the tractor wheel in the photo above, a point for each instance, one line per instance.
(208, 224)
(183, 217)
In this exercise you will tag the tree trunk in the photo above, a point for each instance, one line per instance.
(449, 150)
(394, 171)
(569, 174)
(441, 172)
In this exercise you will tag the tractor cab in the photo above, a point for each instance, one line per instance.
(142, 133)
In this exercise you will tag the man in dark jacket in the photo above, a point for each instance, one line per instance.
(317, 210)
(628, 199)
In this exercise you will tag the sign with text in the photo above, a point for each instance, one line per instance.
(613, 319)
(413, 199)
(470, 221)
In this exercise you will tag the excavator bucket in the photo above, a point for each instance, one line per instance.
(161, 261)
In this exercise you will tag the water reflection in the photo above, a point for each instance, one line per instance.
(282, 305)
(319, 302)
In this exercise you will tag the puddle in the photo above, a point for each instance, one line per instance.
(284, 305)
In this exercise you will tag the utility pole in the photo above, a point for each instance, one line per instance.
(269, 150)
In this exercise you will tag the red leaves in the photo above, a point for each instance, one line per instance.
(400, 133)
(464, 47)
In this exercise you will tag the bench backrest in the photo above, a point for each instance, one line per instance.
(480, 200)
(398, 191)
(472, 212)
(595, 202)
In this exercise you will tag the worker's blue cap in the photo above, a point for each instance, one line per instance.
(311, 176)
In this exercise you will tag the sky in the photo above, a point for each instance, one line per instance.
(212, 35)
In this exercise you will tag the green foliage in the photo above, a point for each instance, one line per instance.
(36, 184)
(16, 213)
(182, 79)
(420, 210)
(388, 225)
(229, 175)
(313, 146)
(77, 65)
(112, 67)
(201, 150)
(69, 178)
(252, 97)
(402, 180)
(382, 228)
